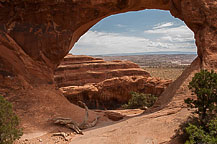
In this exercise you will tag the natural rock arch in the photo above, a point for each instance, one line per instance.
(36, 35)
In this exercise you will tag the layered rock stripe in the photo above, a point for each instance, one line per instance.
(104, 84)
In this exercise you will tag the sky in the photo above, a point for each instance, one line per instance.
(136, 32)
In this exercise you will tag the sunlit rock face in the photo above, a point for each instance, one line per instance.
(35, 35)
(104, 84)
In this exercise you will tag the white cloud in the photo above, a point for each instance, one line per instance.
(180, 30)
(94, 42)
(181, 36)
(162, 37)
(163, 25)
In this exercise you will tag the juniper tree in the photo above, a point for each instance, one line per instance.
(9, 130)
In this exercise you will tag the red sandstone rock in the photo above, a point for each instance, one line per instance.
(106, 84)
(75, 72)
(114, 115)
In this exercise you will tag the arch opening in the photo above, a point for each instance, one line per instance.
(160, 44)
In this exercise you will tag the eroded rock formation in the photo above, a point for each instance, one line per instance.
(80, 70)
(104, 84)
(35, 35)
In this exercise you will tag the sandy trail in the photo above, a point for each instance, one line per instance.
(153, 128)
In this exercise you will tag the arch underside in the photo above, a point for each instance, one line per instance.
(36, 35)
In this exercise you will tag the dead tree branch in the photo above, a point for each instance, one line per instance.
(68, 122)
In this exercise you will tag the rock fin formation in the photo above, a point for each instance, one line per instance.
(104, 84)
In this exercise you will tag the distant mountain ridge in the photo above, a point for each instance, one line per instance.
(146, 53)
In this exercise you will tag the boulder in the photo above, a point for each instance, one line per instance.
(115, 116)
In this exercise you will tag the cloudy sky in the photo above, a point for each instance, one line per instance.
(136, 32)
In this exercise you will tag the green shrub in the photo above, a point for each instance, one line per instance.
(9, 130)
(199, 134)
(203, 127)
(140, 100)
(204, 86)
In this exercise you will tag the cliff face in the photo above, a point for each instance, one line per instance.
(35, 35)
(104, 84)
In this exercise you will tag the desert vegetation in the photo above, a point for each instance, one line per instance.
(140, 100)
(202, 126)
(9, 122)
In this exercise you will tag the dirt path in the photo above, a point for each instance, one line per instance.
(154, 128)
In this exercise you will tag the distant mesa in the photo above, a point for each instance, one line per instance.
(147, 53)
(104, 84)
